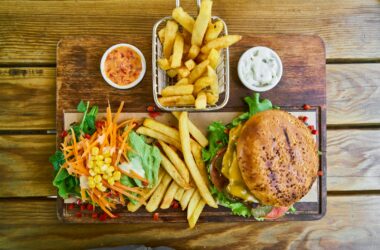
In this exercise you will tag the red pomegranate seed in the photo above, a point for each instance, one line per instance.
(90, 207)
(94, 215)
(320, 173)
(306, 107)
(71, 206)
(63, 134)
(79, 215)
(79, 202)
(100, 124)
(145, 183)
(87, 136)
(82, 207)
(311, 127)
(314, 132)
(154, 114)
(175, 204)
(151, 108)
(155, 216)
(304, 119)
(103, 217)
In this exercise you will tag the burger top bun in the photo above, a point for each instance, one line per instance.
(277, 157)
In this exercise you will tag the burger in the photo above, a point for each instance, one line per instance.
(261, 163)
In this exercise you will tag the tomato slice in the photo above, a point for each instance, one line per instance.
(276, 213)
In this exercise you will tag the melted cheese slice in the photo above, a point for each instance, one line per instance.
(230, 169)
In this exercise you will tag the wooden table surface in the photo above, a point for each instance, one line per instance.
(29, 32)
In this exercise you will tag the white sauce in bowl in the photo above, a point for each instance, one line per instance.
(260, 68)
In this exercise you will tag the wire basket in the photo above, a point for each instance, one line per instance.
(161, 80)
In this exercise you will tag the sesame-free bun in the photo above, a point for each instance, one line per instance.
(277, 157)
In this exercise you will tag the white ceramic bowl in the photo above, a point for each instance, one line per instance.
(132, 84)
(251, 85)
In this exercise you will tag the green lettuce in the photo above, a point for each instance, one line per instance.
(145, 155)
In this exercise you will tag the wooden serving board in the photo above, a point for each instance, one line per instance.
(303, 82)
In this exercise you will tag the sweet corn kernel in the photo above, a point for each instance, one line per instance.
(91, 183)
(99, 157)
(92, 172)
(107, 160)
(95, 151)
(97, 170)
(98, 179)
(91, 164)
(107, 153)
(110, 169)
(103, 189)
(99, 163)
(105, 177)
(99, 186)
(116, 175)
(111, 181)
(103, 168)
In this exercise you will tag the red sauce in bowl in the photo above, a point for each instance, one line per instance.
(123, 65)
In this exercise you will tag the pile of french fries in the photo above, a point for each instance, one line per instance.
(191, 53)
(183, 175)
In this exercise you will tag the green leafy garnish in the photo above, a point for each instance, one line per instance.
(237, 208)
(292, 210)
(57, 159)
(126, 181)
(218, 138)
(145, 155)
(87, 125)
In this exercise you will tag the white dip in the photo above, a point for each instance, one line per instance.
(260, 67)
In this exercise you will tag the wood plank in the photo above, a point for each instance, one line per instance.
(352, 163)
(27, 98)
(350, 30)
(351, 222)
(353, 91)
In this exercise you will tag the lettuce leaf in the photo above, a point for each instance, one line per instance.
(218, 138)
(148, 156)
(67, 184)
(237, 208)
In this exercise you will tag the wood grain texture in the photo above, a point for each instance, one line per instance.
(27, 98)
(33, 224)
(353, 94)
(352, 163)
(31, 29)
(24, 166)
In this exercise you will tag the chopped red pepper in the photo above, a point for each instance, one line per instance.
(103, 217)
(320, 173)
(314, 132)
(303, 118)
(145, 183)
(155, 216)
(90, 207)
(311, 127)
(100, 124)
(63, 134)
(306, 107)
(71, 206)
(87, 136)
(94, 215)
(154, 114)
(175, 204)
(79, 214)
(151, 108)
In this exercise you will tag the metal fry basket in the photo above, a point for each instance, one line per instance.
(161, 80)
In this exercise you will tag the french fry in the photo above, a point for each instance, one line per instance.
(177, 100)
(183, 18)
(214, 86)
(190, 64)
(172, 72)
(163, 63)
(161, 35)
(197, 212)
(214, 57)
(220, 42)
(201, 101)
(146, 194)
(198, 71)
(213, 30)
(178, 90)
(177, 162)
(194, 131)
(170, 34)
(193, 204)
(172, 171)
(196, 150)
(211, 98)
(202, 83)
(186, 198)
(193, 52)
(186, 49)
(162, 128)
(183, 72)
(186, 151)
(177, 51)
(169, 195)
(201, 57)
(183, 81)
(158, 194)
(179, 193)
(159, 136)
(201, 23)
(187, 38)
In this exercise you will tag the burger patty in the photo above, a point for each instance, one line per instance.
(277, 157)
